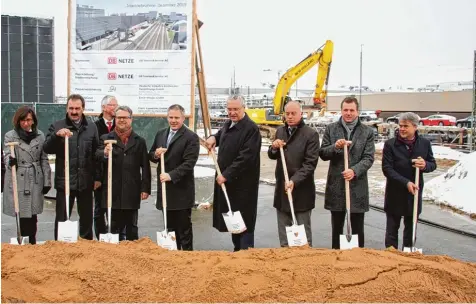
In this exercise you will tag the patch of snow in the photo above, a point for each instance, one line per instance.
(453, 188)
(439, 152)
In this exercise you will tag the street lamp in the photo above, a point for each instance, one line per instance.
(360, 86)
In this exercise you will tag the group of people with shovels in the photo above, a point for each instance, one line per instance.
(109, 163)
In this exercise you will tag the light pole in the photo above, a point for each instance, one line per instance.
(360, 86)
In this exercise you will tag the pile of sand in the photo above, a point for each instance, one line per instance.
(140, 271)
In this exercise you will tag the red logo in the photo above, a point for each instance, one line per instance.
(112, 60)
(111, 76)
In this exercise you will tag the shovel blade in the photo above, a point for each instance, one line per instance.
(412, 249)
(23, 241)
(349, 244)
(234, 222)
(112, 238)
(68, 231)
(167, 240)
(296, 235)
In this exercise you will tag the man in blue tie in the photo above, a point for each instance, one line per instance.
(180, 148)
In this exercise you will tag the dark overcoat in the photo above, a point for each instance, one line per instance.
(130, 171)
(398, 169)
(302, 154)
(239, 150)
(361, 159)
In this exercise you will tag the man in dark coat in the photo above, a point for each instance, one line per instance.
(180, 148)
(4, 169)
(399, 170)
(361, 158)
(301, 150)
(131, 176)
(105, 124)
(239, 142)
(84, 172)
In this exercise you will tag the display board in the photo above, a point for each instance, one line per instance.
(139, 52)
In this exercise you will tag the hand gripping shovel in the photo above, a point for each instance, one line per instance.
(349, 240)
(109, 237)
(233, 220)
(67, 230)
(165, 239)
(415, 216)
(19, 240)
(296, 234)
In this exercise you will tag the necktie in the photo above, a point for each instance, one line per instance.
(109, 126)
(290, 131)
(171, 135)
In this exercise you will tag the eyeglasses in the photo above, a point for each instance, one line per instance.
(122, 117)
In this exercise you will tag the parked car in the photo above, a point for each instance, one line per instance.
(368, 116)
(394, 119)
(465, 122)
(438, 120)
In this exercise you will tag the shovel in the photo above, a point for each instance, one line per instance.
(296, 234)
(109, 237)
(415, 215)
(19, 240)
(349, 240)
(233, 220)
(67, 230)
(165, 239)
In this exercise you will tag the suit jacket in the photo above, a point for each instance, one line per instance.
(180, 159)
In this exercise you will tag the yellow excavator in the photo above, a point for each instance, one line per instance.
(274, 117)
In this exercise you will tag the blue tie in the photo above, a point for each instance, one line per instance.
(171, 135)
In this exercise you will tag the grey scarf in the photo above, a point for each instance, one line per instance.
(349, 126)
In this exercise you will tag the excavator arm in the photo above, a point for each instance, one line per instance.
(323, 57)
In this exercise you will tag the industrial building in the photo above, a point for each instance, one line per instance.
(27, 59)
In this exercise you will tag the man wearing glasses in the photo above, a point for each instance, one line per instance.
(131, 175)
(105, 124)
(239, 142)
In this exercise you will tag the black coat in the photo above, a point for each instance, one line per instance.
(130, 171)
(180, 159)
(302, 154)
(239, 161)
(102, 127)
(398, 169)
(361, 159)
(83, 168)
(4, 169)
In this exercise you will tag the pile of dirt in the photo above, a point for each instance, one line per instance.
(140, 271)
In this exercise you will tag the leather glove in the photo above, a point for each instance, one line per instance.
(46, 189)
(12, 162)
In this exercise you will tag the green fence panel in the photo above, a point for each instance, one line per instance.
(47, 114)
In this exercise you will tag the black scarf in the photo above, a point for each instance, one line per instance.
(26, 136)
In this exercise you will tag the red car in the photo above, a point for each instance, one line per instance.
(438, 120)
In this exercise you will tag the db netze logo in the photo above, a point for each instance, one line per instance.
(111, 76)
(112, 60)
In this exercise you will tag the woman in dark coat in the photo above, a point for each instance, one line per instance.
(399, 170)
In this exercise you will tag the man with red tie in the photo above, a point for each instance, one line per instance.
(105, 124)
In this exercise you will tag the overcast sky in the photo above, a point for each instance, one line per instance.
(406, 42)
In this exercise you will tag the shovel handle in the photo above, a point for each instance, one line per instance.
(164, 193)
(14, 177)
(347, 192)
(223, 187)
(415, 206)
(66, 174)
(286, 179)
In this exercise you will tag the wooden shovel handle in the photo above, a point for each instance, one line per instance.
(14, 177)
